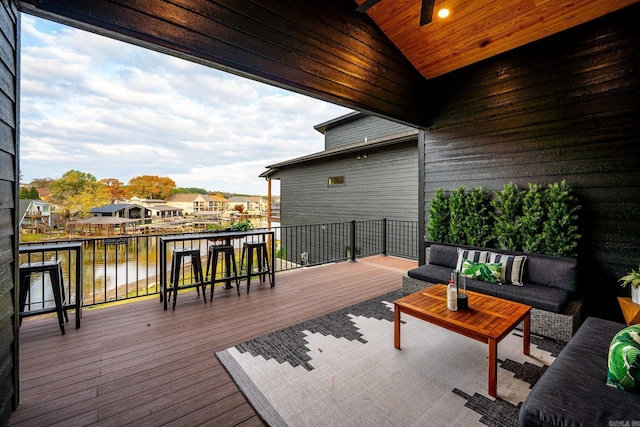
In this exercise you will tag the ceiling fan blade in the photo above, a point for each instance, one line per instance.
(366, 5)
(426, 13)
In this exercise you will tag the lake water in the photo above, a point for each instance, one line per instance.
(114, 268)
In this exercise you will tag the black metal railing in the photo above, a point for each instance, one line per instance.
(122, 267)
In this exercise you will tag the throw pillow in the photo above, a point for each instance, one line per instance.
(512, 267)
(624, 359)
(487, 272)
(471, 255)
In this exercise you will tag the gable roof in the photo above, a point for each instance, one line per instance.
(370, 144)
(111, 208)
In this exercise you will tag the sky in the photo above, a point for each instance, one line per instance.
(115, 110)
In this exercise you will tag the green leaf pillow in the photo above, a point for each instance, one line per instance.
(487, 272)
(624, 359)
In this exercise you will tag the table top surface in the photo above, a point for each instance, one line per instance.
(487, 316)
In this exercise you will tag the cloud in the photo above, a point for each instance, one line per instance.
(118, 111)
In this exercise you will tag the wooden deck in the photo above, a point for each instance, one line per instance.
(136, 364)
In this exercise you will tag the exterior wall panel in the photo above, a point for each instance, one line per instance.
(369, 127)
(384, 185)
(9, 395)
(566, 107)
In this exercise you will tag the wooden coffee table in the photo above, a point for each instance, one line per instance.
(488, 319)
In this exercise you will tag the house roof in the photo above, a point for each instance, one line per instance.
(239, 199)
(354, 115)
(111, 208)
(24, 206)
(185, 197)
(164, 208)
(370, 144)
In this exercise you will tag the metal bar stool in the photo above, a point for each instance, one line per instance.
(230, 259)
(196, 267)
(262, 256)
(54, 269)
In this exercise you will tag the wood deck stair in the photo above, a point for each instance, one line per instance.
(136, 364)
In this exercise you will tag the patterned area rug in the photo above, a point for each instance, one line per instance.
(342, 369)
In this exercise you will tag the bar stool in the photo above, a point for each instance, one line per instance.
(262, 255)
(196, 267)
(54, 269)
(229, 254)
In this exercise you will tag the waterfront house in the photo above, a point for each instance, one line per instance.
(122, 210)
(251, 205)
(534, 91)
(35, 216)
(192, 203)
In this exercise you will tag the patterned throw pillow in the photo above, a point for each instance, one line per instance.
(624, 359)
(486, 272)
(512, 267)
(475, 256)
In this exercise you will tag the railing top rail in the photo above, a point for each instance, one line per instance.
(214, 235)
(49, 247)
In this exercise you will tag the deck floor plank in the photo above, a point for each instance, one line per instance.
(134, 363)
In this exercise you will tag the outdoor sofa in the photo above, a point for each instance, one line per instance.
(574, 392)
(548, 285)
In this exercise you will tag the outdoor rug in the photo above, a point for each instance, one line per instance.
(341, 369)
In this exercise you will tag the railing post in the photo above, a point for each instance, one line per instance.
(384, 236)
(353, 240)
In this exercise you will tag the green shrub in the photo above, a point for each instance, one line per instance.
(535, 220)
(532, 219)
(457, 233)
(438, 224)
(507, 207)
(477, 220)
(560, 230)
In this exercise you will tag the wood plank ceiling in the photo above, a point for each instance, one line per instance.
(478, 29)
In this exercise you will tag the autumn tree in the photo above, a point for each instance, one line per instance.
(77, 192)
(116, 188)
(41, 182)
(151, 187)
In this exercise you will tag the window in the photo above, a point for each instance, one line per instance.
(336, 180)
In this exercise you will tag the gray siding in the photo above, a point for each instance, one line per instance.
(8, 210)
(563, 108)
(384, 185)
(356, 130)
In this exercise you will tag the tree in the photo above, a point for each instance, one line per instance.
(189, 190)
(41, 182)
(29, 193)
(77, 192)
(115, 187)
(151, 187)
(239, 208)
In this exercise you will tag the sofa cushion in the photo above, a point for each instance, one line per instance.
(431, 273)
(551, 271)
(624, 359)
(484, 271)
(573, 390)
(512, 267)
(444, 255)
(537, 296)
